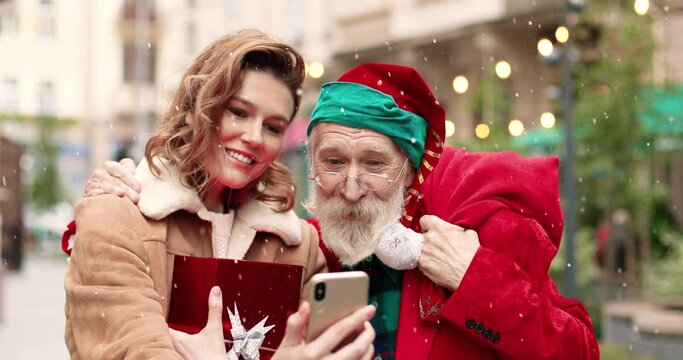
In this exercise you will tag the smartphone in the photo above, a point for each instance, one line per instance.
(333, 297)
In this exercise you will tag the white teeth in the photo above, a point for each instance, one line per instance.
(240, 157)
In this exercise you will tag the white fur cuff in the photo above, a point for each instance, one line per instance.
(399, 248)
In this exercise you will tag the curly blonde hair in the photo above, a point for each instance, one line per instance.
(206, 86)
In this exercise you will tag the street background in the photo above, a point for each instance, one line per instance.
(32, 310)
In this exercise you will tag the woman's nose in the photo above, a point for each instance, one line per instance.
(252, 135)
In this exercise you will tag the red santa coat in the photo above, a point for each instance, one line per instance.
(507, 306)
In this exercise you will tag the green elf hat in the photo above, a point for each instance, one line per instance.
(392, 100)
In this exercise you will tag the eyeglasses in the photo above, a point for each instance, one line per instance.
(373, 182)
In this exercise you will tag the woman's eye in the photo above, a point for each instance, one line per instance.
(238, 112)
(275, 129)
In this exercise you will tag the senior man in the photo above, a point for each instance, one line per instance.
(474, 283)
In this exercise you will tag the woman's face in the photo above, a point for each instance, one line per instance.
(251, 130)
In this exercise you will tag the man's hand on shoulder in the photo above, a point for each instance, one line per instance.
(447, 252)
(116, 178)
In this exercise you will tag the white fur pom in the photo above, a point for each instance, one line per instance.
(399, 248)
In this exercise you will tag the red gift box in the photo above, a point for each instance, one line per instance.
(257, 289)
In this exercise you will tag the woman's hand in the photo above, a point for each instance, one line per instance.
(293, 345)
(116, 178)
(208, 343)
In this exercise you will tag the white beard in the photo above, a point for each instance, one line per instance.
(353, 241)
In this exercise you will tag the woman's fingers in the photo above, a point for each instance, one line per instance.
(214, 323)
(296, 326)
(370, 353)
(336, 333)
(360, 348)
(178, 338)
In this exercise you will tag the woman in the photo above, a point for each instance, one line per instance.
(210, 188)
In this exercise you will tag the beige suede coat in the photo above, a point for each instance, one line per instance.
(118, 279)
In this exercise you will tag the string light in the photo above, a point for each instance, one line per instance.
(482, 131)
(562, 34)
(516, 127)
(547, 120)
(503, 69)
(641, 7)
(460, 84)
(316, 69)
(450, 128)
(545, 47)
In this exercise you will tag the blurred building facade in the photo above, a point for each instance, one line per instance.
(113, 65)
(445, 39)
(41, 72)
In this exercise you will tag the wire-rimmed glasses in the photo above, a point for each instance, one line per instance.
(331, 180)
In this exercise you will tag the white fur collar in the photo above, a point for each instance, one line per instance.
(164, 195)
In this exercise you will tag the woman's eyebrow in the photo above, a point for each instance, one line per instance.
(244, 101)
(251, 105)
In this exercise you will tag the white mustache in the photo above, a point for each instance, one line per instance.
(353, 241)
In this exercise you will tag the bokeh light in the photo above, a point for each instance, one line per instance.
(460, 84)
(316, 69)
(482, 131)
(547, 120)
(641, 6)
(450, 128)
(503, 69)
(516, 127)
(562, 34)
(545, 47)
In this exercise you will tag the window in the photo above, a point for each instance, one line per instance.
(9, 95)
(46, 18)
(428, 2)
(8, 18)
(190, 41)
(139, 63)
(46, 98)
(139, 10)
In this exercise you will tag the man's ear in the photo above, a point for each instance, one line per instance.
(409, 178)
(189, 118)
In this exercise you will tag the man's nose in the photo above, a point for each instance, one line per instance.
(351, 189)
